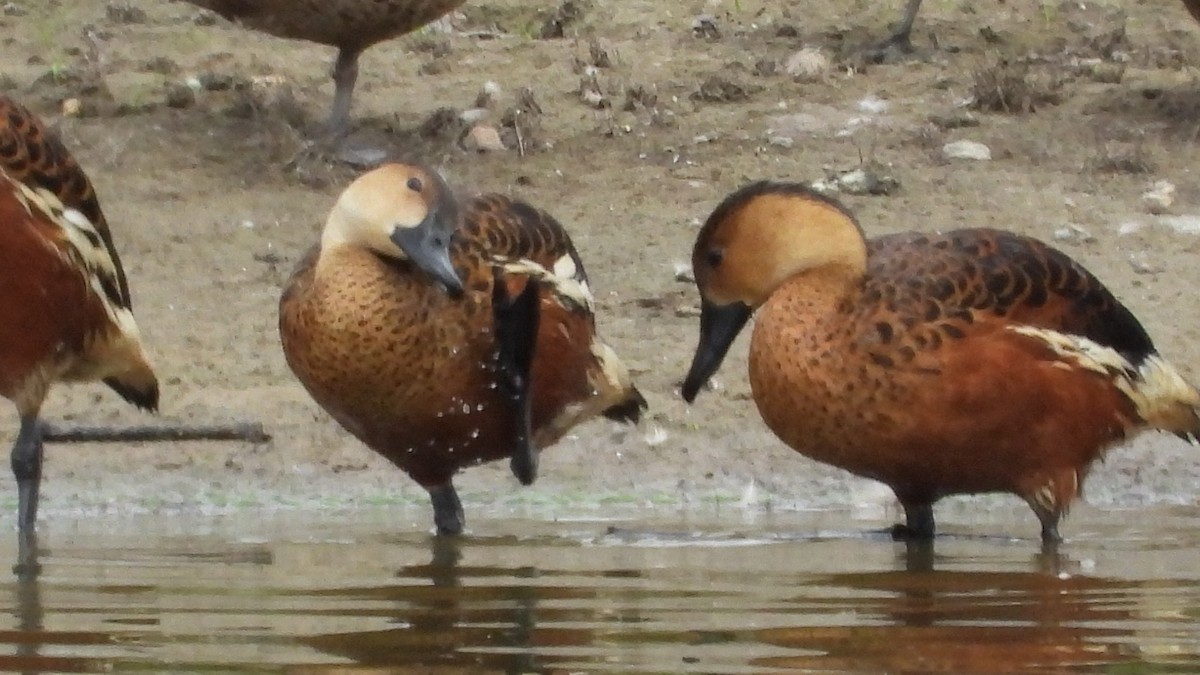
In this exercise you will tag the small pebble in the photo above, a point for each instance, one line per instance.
(967, 150)
(808, 64)
(656, 435)
(361, 158)
(1159, 198)
(873, 105)
(71, 107)
(593, 98)
(1129, 228)
(1143, 264)
(1188, 224)
(483, 138)
(473, 115)
(1073, 232)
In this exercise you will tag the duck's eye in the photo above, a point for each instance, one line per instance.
(714, 257)
(414, 184)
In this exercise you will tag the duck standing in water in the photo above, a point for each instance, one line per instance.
(970, 361)
(443, 339)
(350, 25)
(63, 296)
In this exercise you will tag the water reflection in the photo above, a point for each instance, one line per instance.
(913, 618)
(328, 598)
(430, 620)
(918, 619)
(28, 636)
(492, 617)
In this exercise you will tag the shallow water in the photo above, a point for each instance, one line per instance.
(348, 592)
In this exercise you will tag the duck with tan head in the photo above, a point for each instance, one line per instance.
(968, 361)
(444, 336)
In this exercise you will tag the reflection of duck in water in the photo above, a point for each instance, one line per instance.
(32, 647)
(350, 25)
(962, 622)
(968, 361)
(489, 623)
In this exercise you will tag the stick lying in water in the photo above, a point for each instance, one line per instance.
(251, 432)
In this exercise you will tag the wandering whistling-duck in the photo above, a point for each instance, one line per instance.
(965, 362)
(442, 339)
(63, 294)
(350, 25)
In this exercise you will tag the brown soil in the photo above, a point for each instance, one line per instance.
(212, 196)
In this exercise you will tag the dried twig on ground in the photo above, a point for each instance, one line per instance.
(251, 432)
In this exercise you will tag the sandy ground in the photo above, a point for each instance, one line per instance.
(213, 198)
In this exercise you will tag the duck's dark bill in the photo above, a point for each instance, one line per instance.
(719, 326)
(428, 248)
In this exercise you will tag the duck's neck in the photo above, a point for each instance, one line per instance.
(821, 289)
(336, 232)
(798, 345)
(341, 232)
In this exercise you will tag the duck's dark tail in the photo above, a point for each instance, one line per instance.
(629, 410)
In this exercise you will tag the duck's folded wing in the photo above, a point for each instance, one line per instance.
(979, 274)
(509, 231)
(33, 155)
